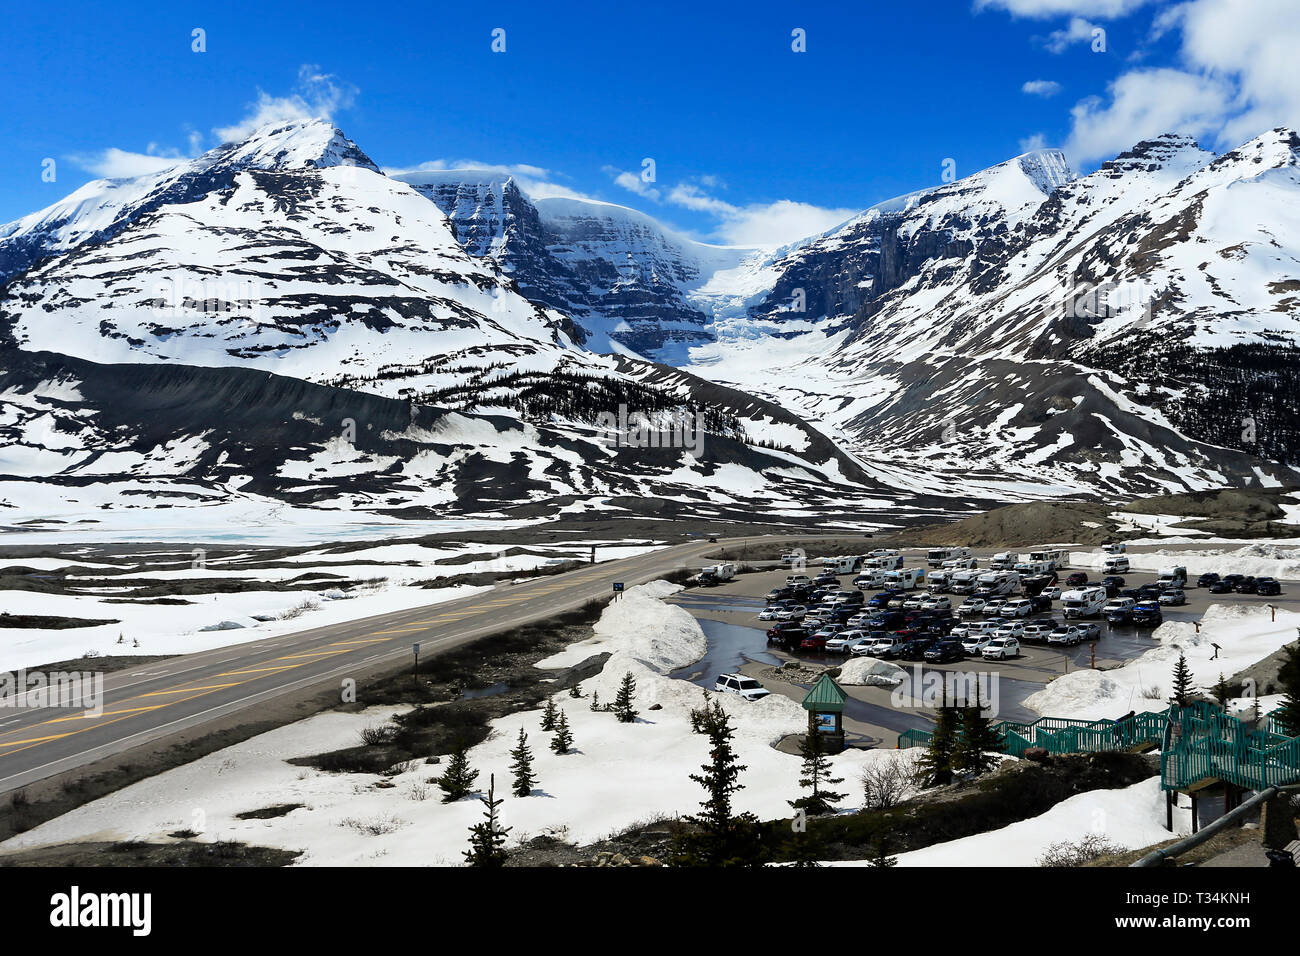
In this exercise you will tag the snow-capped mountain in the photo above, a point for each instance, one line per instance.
(1051, 329)
(1020, 332)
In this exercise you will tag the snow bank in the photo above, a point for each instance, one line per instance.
(1259, 559)
(871, 671)
(1245, 635)
(1130, 817)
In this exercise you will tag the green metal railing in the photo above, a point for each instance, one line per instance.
(1062, 735)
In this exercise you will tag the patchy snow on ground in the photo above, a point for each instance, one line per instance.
(1129, 817)
(1245, 635)
(619, 774)
(1261, 559)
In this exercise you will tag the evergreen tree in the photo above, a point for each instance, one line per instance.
(1288, 675)
(522, 767)
(458, 782)
(815, 775)
(978, 743)
(934, 767)
(1182, 683)
(576, 692)
(1222, 692)
(881, 857)
(562, 742)
(487, 840)
(623, 702)
(548, 715)
(595, 700)
(720, 837)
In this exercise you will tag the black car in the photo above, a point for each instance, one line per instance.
(886, 621)
(1133, 593)
(1267, 586)
(884, 599)
(1119, 617)
(783, 627)
(942, 652)
(1076, 579)
(1039, 602)
(1206, 579)
(779, 594)
(1246, 585)
(1232, 579)
(1113, 579)
(1221, 586)
(914, 650)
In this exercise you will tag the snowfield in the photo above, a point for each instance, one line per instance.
(1245, 635)
(619, 774)
(1259, 559)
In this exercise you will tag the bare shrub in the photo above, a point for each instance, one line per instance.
(377, 734)
(376, 826)
(1078, 852)
(886, 783)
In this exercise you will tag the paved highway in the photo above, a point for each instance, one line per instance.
(150, 703)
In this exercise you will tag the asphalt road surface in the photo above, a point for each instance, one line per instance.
(151, 702)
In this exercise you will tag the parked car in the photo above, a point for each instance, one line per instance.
(1010, 629)
(770, 612)
(971, 606)
(1076, 579)
(1268, 587)
(885, 647)
(1147, 614)
(1246, 585)
(1000, 648)
(936, 602)
(993, 606)
(741, 686)
(976, 641)
(1068, 635)
(1052, 591)
(845, 641)
(1036, 632)
(796, 613)
(1017, 607)
(914, 649)
(1221, 587)
(1089, 630)
(942, 652)
(1206, 579)
(1172, 598)
(1040, 602)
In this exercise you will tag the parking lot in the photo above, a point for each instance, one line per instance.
(871, 718)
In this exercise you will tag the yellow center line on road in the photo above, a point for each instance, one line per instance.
(294, 657)
(400, 630)
(186, 690)
(367, 640)
(259, 670)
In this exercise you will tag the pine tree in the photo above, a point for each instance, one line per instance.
(562, 742)
(815, 775)
(1182, 683)
(522, 767)
(487, 840)
(458, 782)
(1288, 675)
(720, 837)
(978, 743)
(623, 702)
(934, 767)
(576, 692)
(881, 857)
(595, 700)
(548, 715)
(1222, 692)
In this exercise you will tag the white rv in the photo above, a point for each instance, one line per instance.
(1118, 547)
(938, 556)
(1175, 577)
(888, 562)
(1004, 561)
(963, 582)
(1083, 602)
(1055, 560)
(937, 581)
(871, 578)
(1033, 567)
(997, 583)
(905, 578)
(957, 564)
(717, 573)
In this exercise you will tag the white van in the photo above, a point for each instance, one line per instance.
(1083, 602)
(1004, 561)
(793, 579)
(1115, 564)
(1170, 578)
(1118, 547)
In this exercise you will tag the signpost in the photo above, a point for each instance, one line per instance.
(415, 648)
(618, 588)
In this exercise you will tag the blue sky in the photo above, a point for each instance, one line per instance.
(751, 141)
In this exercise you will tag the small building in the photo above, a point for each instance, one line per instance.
(825, 706)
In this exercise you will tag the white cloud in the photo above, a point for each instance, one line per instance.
(114, 163)
(1079, 30)
(316, 95)
(1235, 79)
(1031, 143)
(535, 181)
(1042, 9)
(633, 183)
(1043, 88)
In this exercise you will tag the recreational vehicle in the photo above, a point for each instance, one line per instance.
(1054, 560)
(938, 556)
(963, 582)
(1004, 561)
(905, 578)
(997, 583)
(1083, 602)
(1175, 577)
